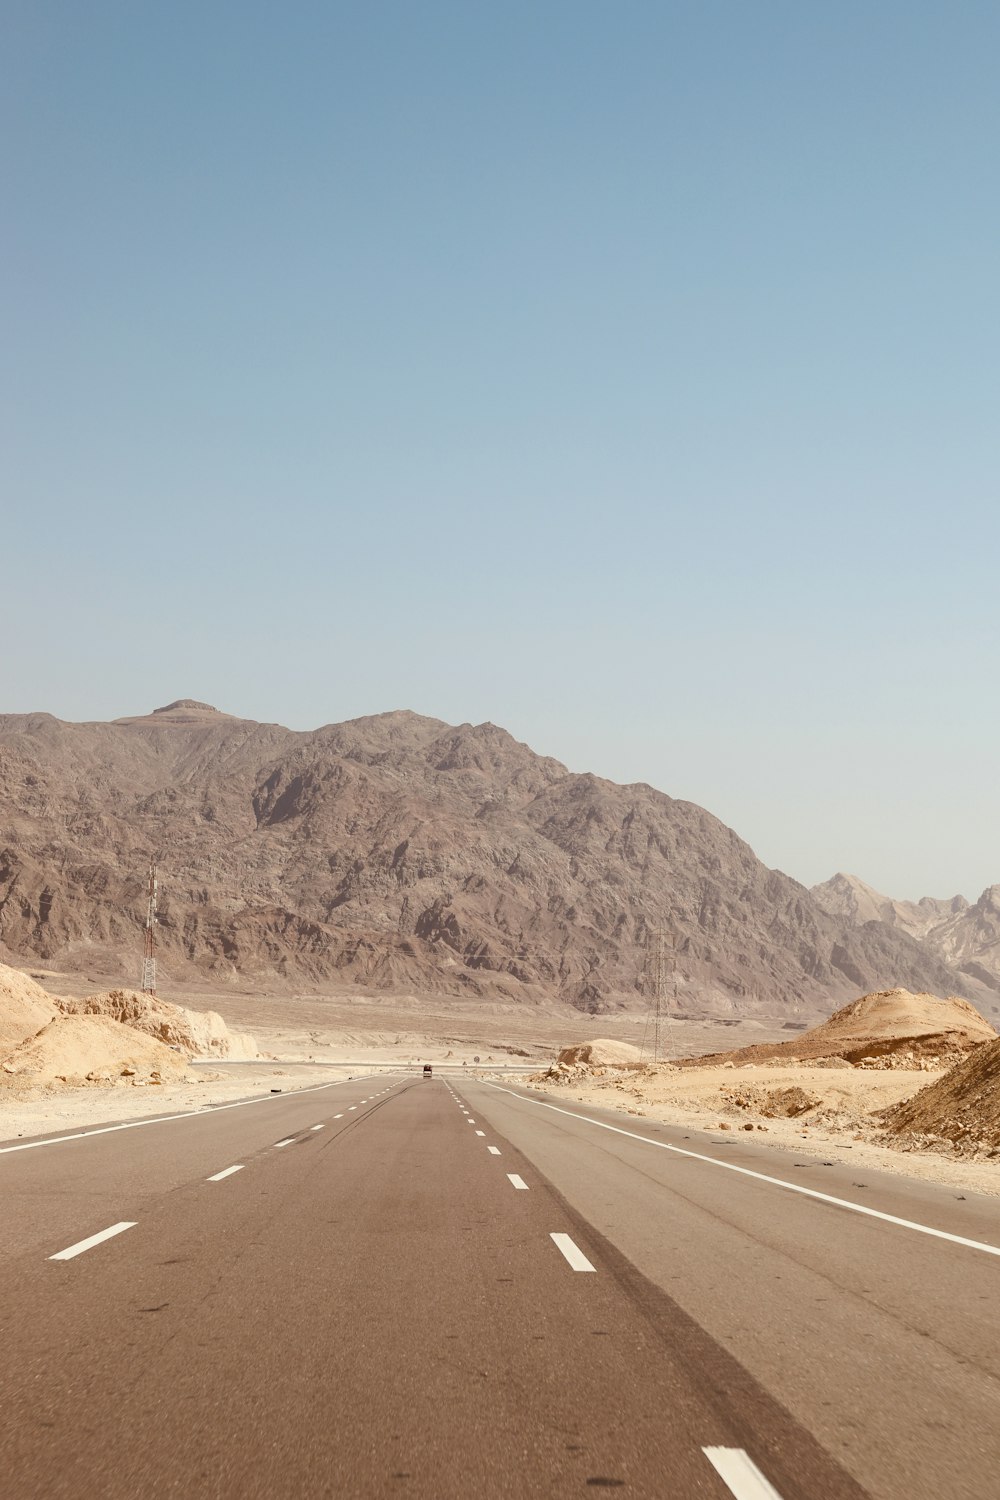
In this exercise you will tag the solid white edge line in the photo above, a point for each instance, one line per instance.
(516, 1181)
(188, 1114)
(493, 1150)
(94, 1239)
(791, 1187)
(227, 1173)
(740, 1474)
(572, 1252)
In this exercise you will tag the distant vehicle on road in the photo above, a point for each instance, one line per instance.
(428, 1070)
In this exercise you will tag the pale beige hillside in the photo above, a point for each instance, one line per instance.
(894, 1015)
(24, 1008)
(198, 1033)
(120, 1036)
(601, 1053)
(888, 1025)
(92, 1048)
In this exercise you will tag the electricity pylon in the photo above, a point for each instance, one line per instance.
(149, 945)
(656, 977)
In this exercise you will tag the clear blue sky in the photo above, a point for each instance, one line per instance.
(626, 374)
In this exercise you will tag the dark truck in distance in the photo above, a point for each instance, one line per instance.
(428, 1070)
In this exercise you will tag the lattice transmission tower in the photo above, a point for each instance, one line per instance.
(149, 944)
(656, 987)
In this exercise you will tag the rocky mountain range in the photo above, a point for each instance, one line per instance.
(965, 934)
(401, 853)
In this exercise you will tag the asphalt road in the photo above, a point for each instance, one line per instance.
(394, 1286)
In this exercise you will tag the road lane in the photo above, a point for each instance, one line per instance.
(881, 1341)
(52, 1193)
(371, 1311)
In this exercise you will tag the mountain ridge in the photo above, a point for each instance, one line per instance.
(399, 852)
(965, 934)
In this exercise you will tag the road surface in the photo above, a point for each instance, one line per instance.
(444, 1288)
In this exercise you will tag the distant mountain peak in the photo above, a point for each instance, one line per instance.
(183, 711)
(966, 936)
(188, 704)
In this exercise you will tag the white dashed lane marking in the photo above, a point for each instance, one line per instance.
(572, 1252)
(338, 1117)
(94, 1239)
(480, 1132)
(516, 1181)
(228, 1172)
(286, 1142)
(493, 1150)
(315, 1127)
(740, 1474)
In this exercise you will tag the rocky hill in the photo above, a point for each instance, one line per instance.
(890, 1027)
(402, 853)
(966, 935)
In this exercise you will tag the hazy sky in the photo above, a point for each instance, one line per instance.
(624, 373)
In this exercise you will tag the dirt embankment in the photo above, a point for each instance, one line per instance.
(118, 1037)
(961, 1109)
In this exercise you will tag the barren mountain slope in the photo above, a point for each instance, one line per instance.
(403, 853)
(963, 935)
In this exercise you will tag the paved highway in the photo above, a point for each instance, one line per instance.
(399, 1287)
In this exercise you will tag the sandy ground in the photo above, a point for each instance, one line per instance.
(706, 1099)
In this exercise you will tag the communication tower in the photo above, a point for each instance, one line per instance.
(149, 946)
